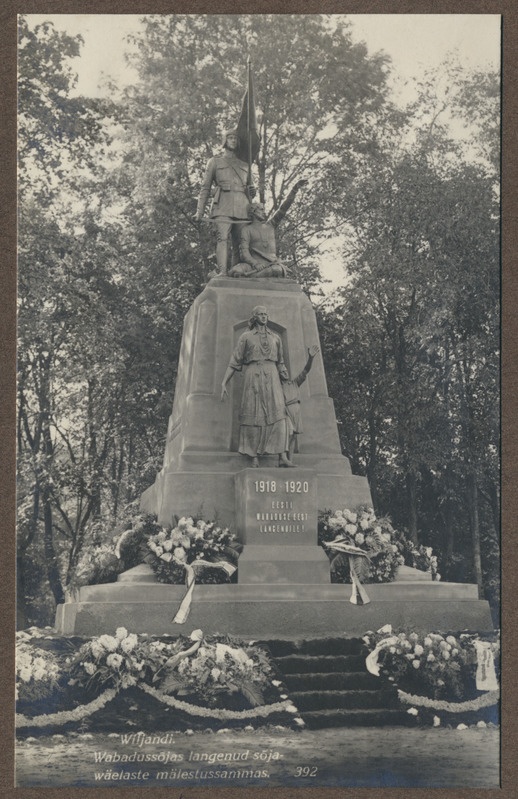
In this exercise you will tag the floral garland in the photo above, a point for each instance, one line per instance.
(218, 713)
(486, 700)
(64, 716)
(206, 669)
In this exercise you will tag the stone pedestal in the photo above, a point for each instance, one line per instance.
(201, 457)
(276, 514)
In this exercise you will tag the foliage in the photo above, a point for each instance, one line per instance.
(436, 665)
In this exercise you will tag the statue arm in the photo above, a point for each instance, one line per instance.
(208, 180)
(235, 365)
(229, 374)
(312, 351)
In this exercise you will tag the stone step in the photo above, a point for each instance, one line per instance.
(299, 664)
(145, 592)
(382, 699)
(374, 717)
(316, 646)
(353, 680)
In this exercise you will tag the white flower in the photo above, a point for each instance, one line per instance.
(364, 524)
(429, 551)
(436, 721)
(215, 673)
(428, 641)
(196, 635)
(445, 654)
(167, 557)
(392, 649)
(167, 546)
(462, 727)
(114, 660)
(276, 683)
(90, 667)
(351, 528)
(120, 633)
(431, 657)
(161, 536)
(385, 536)
(108, 642)
(451, 640)
(412, 711)
(180, 553)
(25, 673)
(481, 724)
(454, 652)
(129, 643)
(416, 664)
(359, 539)
(418, 649)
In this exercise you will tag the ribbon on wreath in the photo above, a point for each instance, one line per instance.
(486, 676)
(359, 595)
(182, 613)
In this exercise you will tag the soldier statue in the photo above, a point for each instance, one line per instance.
(230, 203)
(257, 245)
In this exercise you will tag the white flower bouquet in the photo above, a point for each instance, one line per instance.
(192, 542)
(110, 661)
(360, 530)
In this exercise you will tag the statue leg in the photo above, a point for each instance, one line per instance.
(222, 233)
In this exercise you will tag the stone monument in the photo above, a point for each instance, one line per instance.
(220, 462)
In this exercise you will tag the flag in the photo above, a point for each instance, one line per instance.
(248, 135)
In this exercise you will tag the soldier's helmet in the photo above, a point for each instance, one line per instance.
(226, 134)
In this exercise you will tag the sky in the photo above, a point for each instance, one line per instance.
(414, 41)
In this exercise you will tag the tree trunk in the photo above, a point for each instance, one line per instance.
(50, 554)
(475, 528)
(21, 604)
(412, 507)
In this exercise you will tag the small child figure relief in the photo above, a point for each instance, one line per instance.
(291, 392)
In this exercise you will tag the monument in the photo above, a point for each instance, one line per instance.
(231, 454)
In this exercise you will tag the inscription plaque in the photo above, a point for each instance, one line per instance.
(277, 506)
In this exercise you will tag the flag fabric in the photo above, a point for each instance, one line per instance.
(248, 135)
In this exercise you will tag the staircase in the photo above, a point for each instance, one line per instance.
(329, 683)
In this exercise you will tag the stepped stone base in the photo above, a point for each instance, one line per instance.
(282, 610)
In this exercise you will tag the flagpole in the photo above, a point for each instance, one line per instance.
(249, 126)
